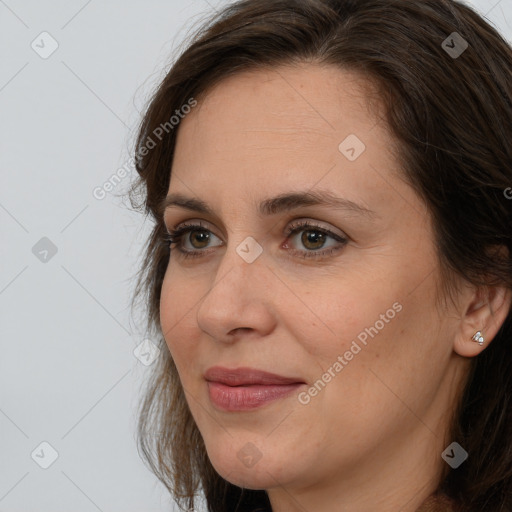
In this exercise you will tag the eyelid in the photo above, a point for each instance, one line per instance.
(305, 222)
(204, 224)
(291, 224)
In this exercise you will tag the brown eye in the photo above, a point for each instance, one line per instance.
(201, 237)
(313, 239)
(191, 239)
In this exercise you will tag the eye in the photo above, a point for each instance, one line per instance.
(314, 237)
(197, 235)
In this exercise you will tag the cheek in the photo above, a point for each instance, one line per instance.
(336, 316)
(168, 308)
(387, 340)
(359, 328)
(176, 309)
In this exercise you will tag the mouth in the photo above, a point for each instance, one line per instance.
(246, 388)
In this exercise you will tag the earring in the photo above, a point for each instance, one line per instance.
(478, 337)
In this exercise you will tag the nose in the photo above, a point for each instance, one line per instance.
(239, 301)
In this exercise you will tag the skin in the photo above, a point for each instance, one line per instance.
(371, 439)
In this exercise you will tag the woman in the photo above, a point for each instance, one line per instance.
(329, 273)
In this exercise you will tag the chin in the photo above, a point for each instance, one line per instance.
(237, 467)
(250, 478)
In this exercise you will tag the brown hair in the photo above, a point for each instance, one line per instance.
(452, 119)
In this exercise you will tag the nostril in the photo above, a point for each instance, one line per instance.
(236, 330)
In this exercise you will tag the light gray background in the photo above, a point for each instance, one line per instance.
(68, 373)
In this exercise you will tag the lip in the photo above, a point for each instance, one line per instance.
(245, 376)
(247, 388)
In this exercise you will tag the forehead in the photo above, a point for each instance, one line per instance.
(301, 99)
(269, 129)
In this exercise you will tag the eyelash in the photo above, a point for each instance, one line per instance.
(175, 236)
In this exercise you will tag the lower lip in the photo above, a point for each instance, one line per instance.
(243, 398)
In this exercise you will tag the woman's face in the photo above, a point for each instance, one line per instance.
(345, 306)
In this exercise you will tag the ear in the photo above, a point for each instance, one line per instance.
(486, 311)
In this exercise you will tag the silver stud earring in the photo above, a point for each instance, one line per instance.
(478, 338)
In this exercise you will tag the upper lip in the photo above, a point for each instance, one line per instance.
(246, 376)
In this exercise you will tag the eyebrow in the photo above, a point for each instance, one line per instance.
(272, 206)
